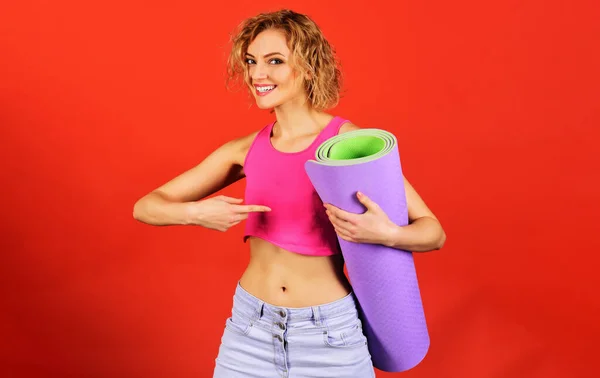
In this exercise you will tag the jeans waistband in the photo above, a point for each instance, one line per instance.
(256, 308)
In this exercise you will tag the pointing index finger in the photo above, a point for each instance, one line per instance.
(251, 208)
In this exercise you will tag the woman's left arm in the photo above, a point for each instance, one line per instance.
(423, 233)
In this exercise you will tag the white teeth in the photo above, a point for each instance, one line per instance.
(265, 89)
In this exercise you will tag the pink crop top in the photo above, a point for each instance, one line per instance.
(297, 221)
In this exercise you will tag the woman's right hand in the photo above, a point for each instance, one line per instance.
(221, 212)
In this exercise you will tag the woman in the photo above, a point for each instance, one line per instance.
(294, 312)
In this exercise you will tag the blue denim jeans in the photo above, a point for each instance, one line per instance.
(265, 341)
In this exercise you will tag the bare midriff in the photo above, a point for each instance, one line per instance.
(287, 279)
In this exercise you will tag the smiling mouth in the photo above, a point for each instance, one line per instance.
(264, 90)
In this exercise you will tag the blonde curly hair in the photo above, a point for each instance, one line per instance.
(312, 54)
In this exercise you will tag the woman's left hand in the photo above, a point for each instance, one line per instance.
(372, 226)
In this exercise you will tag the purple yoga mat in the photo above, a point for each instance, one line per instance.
(383, 278)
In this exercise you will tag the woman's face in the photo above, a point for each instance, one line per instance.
(273, 80)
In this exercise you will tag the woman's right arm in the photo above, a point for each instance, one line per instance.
(177, 202)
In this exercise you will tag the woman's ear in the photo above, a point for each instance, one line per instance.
(305, 76)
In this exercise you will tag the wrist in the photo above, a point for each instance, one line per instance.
(189, 213)
(391, 235)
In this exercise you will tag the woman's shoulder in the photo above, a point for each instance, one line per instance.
(241, 144)
(348, 126)
(245, 140)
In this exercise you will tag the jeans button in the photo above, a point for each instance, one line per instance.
(281, 325)
(278, 337)
(282, 313)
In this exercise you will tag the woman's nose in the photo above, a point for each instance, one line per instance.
(259, 72)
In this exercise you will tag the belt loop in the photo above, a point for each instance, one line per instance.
(258, 312)
(316, 315)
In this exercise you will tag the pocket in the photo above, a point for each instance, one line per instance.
(350, 336)
(238, 323)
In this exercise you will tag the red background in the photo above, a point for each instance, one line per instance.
(496, 110)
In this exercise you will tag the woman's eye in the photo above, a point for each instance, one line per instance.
(272, 61)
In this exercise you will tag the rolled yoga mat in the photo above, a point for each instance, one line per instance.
(383, 278)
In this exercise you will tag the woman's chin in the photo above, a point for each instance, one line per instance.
(265, 104)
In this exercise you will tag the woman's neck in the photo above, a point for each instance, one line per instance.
(294, 120)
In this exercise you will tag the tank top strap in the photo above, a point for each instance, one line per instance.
(265, 133)
(260, 143)
(331, 130)
(264, 136)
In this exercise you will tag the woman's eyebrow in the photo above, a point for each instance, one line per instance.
(267, 55)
